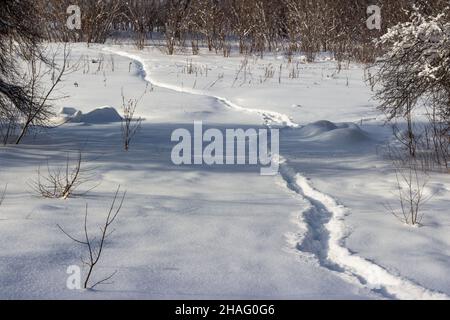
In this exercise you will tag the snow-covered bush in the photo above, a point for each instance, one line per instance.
(415, 69)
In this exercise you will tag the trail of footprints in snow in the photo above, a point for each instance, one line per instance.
(326, 229)
(324, 239)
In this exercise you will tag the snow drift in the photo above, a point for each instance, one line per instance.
(97, 116)
(341, 134)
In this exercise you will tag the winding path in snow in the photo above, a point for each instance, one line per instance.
(325, 217)
(270, 117)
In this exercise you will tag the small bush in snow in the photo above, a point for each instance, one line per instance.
(411, 182)
(61, 183)
(130, 124)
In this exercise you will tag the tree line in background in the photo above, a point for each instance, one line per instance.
(258, 26)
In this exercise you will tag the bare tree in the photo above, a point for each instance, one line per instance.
(96, 248)
(19, 41)
(414, 68)
(175, 26)
(206, 19)
(38, 111)
(97, 19)
(142, 15)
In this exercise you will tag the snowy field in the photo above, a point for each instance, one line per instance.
(317, 230)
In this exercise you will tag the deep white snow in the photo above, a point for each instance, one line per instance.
(317, 230)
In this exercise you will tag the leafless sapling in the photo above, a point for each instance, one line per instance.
(411, 183)
(94, 247)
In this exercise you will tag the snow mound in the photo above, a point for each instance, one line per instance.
(343, 136)
(336, 134)
(97, 116)
(101, 115)
(317, 128)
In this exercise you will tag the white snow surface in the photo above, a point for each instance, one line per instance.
(317, 230)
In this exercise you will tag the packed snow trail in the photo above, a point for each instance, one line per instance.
(336, 257)
(270, 117)
(325, 219)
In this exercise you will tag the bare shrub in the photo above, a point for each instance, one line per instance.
(61, 183)
(269, 72)
(219, 78)
(430, 144)
(244, 73)
(190, 68)
(411, 182)
(193, 69)
(438, 137)
(130, 125)
(95, 248)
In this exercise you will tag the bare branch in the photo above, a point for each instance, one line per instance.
(63, 182)
(95, 248)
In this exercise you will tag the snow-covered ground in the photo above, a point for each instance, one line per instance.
(319, 229)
